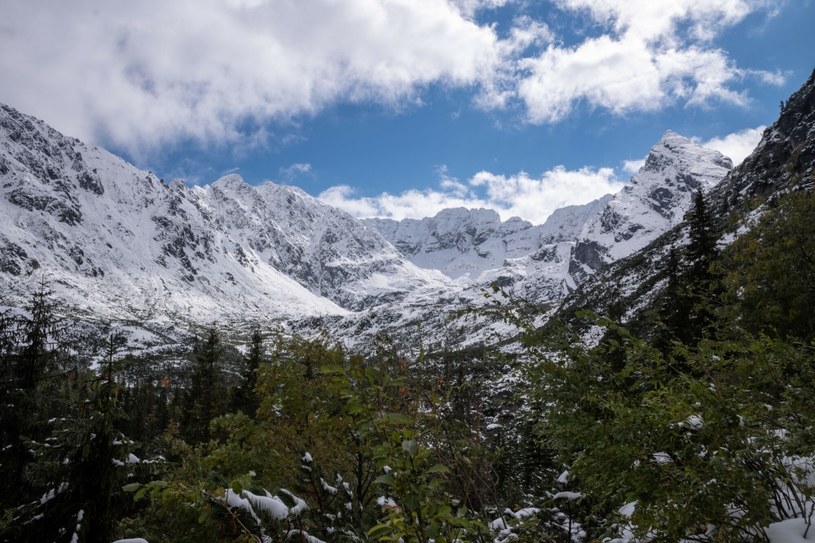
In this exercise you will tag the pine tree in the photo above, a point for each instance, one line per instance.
(700, 284)
(245, 398)
(206, 396)
(78, 467)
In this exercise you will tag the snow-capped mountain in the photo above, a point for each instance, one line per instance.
(464, 243)
(783, 161)
(461, 243)
(655, 200)
(119, 242)
(543, 263)
(116, 242)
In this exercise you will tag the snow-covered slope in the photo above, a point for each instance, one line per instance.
(460, 242)
(655, 200)
(121, 243)
(567, 223)
(543, 263)
(465, 243)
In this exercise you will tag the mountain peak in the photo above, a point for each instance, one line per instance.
(674, 151)
(231, 180)
(670, 135)
(655, 200)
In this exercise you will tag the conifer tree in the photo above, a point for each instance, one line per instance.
(29, 388)
(36, 359)
(700, 284)
(206, 396)
(245, 398)
(672, 309)
(77, 467)
(701, 250)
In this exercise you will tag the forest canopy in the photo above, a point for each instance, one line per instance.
(693, 422)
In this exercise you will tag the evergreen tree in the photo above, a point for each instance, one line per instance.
(78, 467)
(36, 358)
(695, 296)
(701, 251)
(30, 389)
(245, 398)
(207, 392)
(672, 309)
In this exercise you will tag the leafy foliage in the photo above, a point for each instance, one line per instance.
(697, 429)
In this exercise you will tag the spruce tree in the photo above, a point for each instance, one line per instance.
(30, 389)
(700, 284)
(206, 396)
(245, 398)
(701, 251)
(77, 467)
(36, 358)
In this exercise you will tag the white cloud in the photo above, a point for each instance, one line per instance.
(342, 197)
(147, 73)
(142, 75)
(653, 54)
(737, 145)
(656, 21)
(633, 166)
(295, 170)
(531, 198)
(470, 7)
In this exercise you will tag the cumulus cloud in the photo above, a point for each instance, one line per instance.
(738, 145)
(518, 195)
(470, 7)
(142, 75)
(658, 21)
(652, 54)
(343, 197)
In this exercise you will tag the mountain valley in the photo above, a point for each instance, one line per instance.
(119, 245)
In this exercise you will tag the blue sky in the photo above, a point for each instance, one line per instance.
(402, 107)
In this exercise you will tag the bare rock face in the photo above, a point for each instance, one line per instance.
(784, 158)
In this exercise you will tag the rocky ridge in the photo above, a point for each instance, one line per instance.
(784, 160)
(543, 263)
(117, 243)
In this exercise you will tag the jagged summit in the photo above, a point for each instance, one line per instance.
(656, 198)
(462, 243)
(121, 243)
(684, 152)
(230, 181)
